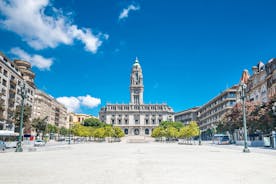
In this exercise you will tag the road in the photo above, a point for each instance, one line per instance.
(137, 163)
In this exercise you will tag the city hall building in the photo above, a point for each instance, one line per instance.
(136, 118)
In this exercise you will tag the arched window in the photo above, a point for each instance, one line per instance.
(126, 131)
(136, 131)
(147, 131)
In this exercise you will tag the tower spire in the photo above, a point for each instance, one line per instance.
(136, 84)
(136, 60)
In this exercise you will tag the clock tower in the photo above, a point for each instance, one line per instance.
(136, 84)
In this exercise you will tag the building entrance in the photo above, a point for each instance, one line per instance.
(136, 131)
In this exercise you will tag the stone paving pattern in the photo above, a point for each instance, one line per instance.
(137, 163)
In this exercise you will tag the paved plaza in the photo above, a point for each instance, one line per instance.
(137, 163)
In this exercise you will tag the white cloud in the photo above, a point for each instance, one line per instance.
(36, 60)
(125, 12)
(27, 18)
(73, 104)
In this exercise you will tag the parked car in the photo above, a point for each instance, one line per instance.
(39, 143)
(221, 139)
(225, 140)
(2, 146)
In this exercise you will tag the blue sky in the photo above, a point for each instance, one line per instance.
(190, 51)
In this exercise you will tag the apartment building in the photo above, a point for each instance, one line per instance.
(187, 116)
(256, 90)
(271, 78)
(13, 76)
(48, 108)
(212, 112)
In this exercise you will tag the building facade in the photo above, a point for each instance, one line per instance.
(271, 78)
(48, 108)
(212, 112)
(13, 76)
(261, 86)
(187, 116)
(256, 90)
(136, 118)
(78, 118)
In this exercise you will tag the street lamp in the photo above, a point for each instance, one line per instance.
(23, 96)
(69, 142)
(199, 137)
(243, 98)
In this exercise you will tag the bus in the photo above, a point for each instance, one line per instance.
(9, 137)
(221, 139)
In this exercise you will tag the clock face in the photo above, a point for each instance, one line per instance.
(136, 91)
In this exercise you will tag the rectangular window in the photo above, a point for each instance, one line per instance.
(3, 92)
(5, 73)
(4, 82)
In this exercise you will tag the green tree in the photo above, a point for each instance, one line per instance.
(39, 125)
(63, 131)
(193, 129)
(80, 130)
(118, 132)
(166, 124)
(183, 132)
(158, 132)
(171, 132)
(94, 122)
(109, 131)
(26, 118)
(99, 133)
(51, 128)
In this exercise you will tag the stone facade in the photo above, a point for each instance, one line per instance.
(261, 86)
(136, 118)
(256, 90)
(78, 118)
(186, 116)
(271, 78)
(46, 106)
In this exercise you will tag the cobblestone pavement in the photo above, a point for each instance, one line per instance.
(131, 163)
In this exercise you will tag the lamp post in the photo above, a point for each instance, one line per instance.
(69, 142)
(243, 98)
(274, 108)
(19, 143)
(199, 137)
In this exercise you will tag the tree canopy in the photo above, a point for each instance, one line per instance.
(260, 118)
(93, 122)
(176, 130)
